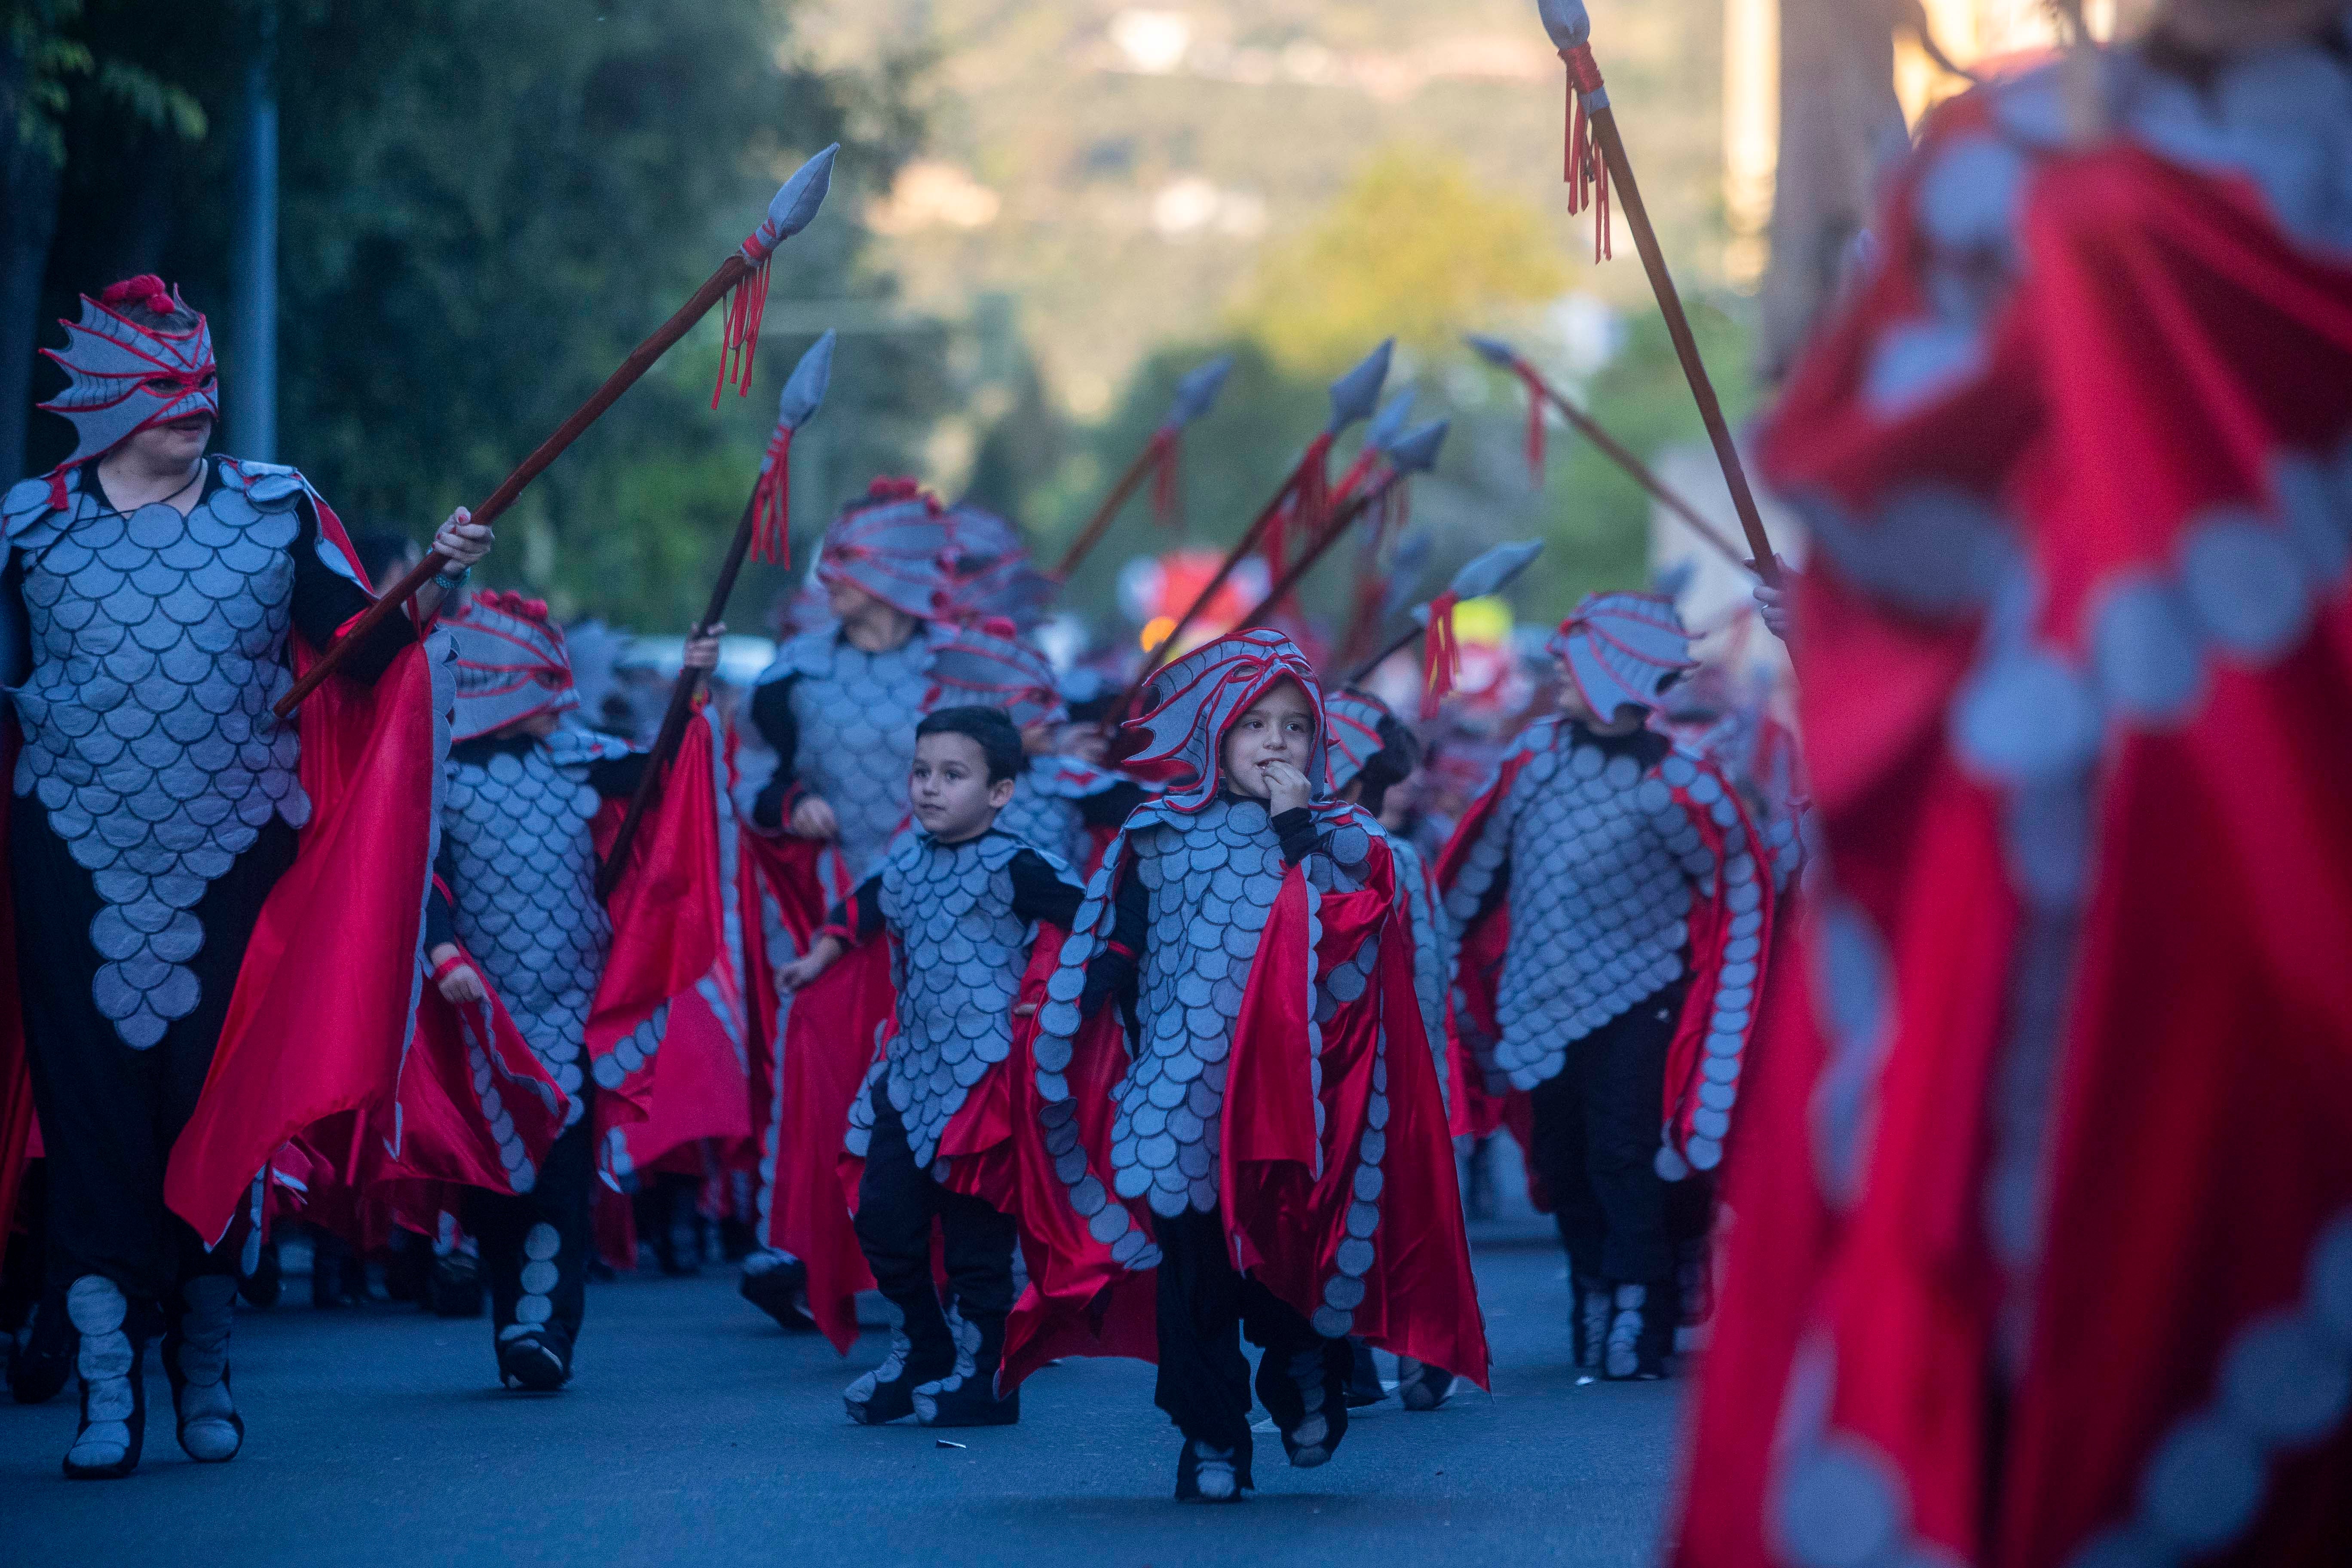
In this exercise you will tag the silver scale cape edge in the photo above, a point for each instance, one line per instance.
(1214, 876)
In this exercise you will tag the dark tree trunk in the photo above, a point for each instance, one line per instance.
(1839, 126)
(28, 222)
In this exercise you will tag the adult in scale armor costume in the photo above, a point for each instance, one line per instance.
(1063, 804)
(1280, 1126)
(1615, 919)
(2044, 1240)
(836, 711)
(152, 603)
(517, 917)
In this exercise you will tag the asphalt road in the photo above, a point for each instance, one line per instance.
(697, 1431)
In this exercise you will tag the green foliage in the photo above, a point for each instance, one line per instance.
(1316, 307)
(485, 205)
(44, 35)
(1412, 248)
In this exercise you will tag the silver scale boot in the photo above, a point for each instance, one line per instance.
(196, 1358)
(158, 646)
(109, 1362)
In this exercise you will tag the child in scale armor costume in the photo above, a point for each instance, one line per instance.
(961, 900)
(516, 915)
(1614, 915)
(1280, 1109)
(151, 601)
(836, 711)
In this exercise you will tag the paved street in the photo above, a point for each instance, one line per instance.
(695, 1432)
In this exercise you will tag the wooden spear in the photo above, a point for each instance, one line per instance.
(1413, 453)
(1353, 396)
(794, 205)
(1194, 396)
(804, 395)
(1499, 353)
(1570, 29)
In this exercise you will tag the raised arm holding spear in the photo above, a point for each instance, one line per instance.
(1194, 396)
(764, 533)
(1592, 124)
(745, 272)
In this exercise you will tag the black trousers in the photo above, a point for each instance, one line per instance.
(111, 1114)
(896, 1201)
(1206, 1308)
(521, 1234)
(1596, 1140)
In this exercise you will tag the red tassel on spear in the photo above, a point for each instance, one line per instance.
(762, 534)
(1570, 29)
(1194, 394)
(747, 306)
(1441, 654)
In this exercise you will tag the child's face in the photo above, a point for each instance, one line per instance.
(949, 788)
(1573, 705)
(1279, 728)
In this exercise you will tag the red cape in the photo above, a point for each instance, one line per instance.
(1288, 1191)
(2044, 1250)
(1485, 940)
(662, 1032)
(782, 903)
(326, 995)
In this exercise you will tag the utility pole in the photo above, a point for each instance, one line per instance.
(253, 391)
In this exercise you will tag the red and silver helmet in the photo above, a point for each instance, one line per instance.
(1190, 704)
(990, 573)
(512, 664)
(892, 541)
(1624, 649)
(987, 665)
(1355, 720)
(123, 375)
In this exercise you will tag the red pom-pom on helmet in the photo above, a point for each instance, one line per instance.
(146, 289)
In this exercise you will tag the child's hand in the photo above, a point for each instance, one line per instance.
(1286, 788)
(461, 986)
(803, 970)
(811, 818)
(702, 648)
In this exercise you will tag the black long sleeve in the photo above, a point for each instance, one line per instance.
(1040, 893)
(772, 715)
(324, 600)
(617, 778)
(1111, 807)
(1298, 834)
(858, 917)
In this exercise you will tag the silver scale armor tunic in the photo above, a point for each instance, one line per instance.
(957, 971)
(515, 829)
(1433, 945)
(856, 713)
(1602, 859)
(158, 648)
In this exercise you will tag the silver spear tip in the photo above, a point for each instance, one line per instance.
(797, 201)
(1382, 433)
(805, 389)
(1491, 571)
(1494, 351)
(1197, 392)
(1416, 452)
(1567, 21)
(1355, 395)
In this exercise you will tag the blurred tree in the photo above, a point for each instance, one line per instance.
(485, 205)
(1413, 247)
